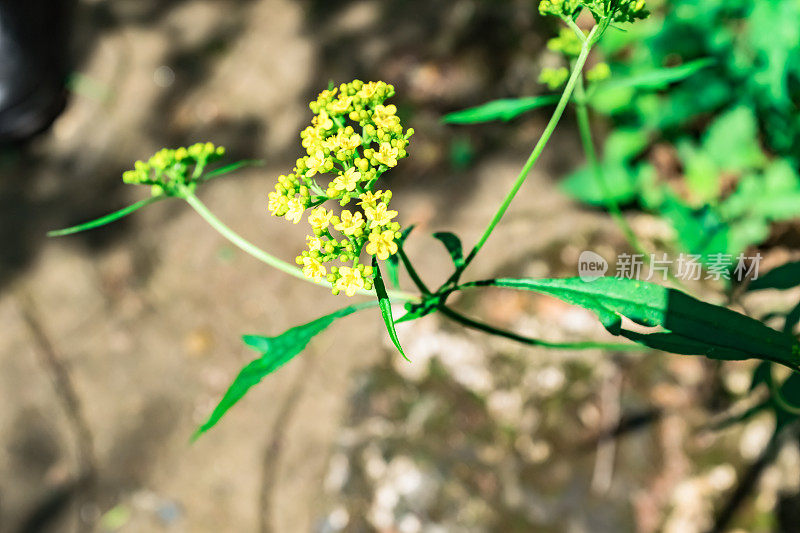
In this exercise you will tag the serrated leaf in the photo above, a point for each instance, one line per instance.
(692, 327)
(275, 352)
(386, 307)
(393, 262)
(453, 245)
(504, 109)
(107, 219)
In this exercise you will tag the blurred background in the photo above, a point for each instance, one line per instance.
(116, 343)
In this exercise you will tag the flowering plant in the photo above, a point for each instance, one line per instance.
(355, 137)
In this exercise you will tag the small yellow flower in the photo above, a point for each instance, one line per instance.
(323, 121)
(314, 243)
(346, 181)
(327, 95)
(311, 137)
(315, 163)
(313, 269)
(295, 210)
(349, 281)
(276, 201)
(368, 90)
(387, 155)
(320, 218)
(340, 106)
(369, 199)
(382, 245)
(350, 142)
(384, 116)
(349, 223)
(379, 215)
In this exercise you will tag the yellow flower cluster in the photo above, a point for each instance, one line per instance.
(599, 72)
(553, 77)
(352, 140)
(567, 42)
(167, 170)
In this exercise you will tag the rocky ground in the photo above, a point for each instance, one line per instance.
(116, 343)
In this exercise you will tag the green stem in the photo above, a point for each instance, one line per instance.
(261, 255)
(486, 328)
(571, 23)
(537, 150)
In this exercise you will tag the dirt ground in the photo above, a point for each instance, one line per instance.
(115, 344)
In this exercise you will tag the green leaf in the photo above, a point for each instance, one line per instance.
(773, 29)
(732, 141)
(275, 352)
(393, 263)
(773, 195)
(792, 319)
(702, 173)
(453, 245)
(782, 277)
(107, 219)
(692, 327)
(386, 307)
(621, 181)
(505, 109)
(700, 231)
(655, 79)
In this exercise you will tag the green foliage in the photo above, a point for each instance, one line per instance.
(505, 109)
(690, 326)
(168, 171)
(735, 121)
(602, 10)
(453, 245)
(785, 276)
(106, 219)
(275, 352)
(623, 181)
(730, 112)
(386, 307)
(654, 79)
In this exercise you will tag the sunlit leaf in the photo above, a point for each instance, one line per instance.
(691, 327)
(505, 109)
(785, 276)
(453, 245)
(659, 78)
(386, 307)
(732, 140)
(107, 219)
(275, 352)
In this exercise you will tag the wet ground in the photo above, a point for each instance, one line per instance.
(116, 343)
